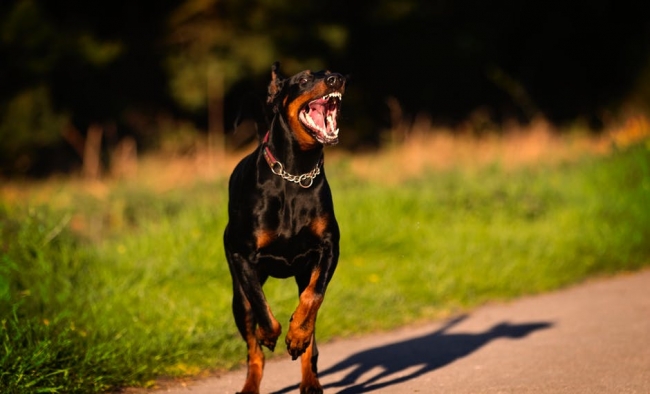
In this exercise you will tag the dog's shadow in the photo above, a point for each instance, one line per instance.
(414, 357)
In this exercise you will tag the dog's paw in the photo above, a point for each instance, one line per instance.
(269, 343)
(297, 342)
(311, 390)
(269, 338)
(310, 385)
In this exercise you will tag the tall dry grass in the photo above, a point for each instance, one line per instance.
(426, 147)
(421, 146)
(412, 149)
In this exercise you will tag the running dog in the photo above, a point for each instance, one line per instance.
(281, 220)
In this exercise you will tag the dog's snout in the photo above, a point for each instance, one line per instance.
(334, 81)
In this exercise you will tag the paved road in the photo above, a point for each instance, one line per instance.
(591, 338)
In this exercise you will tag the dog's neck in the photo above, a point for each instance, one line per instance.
(286, 149)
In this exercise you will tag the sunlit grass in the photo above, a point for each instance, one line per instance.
(112, 284)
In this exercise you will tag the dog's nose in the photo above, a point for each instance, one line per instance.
(334, 81)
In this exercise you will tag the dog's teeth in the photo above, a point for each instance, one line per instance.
(330, 95)
(312, 123)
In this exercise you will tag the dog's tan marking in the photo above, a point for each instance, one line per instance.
(319, 224)
(305, 140)
(263, 238)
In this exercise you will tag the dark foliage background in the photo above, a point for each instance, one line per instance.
(153, 71)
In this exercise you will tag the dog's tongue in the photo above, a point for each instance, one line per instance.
(316, 109)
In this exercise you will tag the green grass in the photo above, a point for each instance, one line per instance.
(98, 293)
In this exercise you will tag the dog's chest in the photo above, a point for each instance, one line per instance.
(282, 256)
(288, 229)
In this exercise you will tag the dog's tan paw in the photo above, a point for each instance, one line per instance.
(311, 390)
(268, 338)
(297, 342)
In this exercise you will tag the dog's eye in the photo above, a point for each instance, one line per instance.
(303, 81)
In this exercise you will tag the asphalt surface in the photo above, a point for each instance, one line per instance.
(591, 338)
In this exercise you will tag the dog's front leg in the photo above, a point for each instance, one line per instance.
(309, 361)
(303, 320)
(301, 337)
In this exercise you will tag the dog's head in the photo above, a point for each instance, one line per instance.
(310, 102)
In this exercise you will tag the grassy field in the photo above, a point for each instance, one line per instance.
(105, 285)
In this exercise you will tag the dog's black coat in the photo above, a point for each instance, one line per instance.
(280, 226)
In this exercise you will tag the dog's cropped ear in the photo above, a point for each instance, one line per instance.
(277, 81)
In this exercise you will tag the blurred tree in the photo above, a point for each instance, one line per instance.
(210, 50)
(28, 124)
(28, 121)
(219, 47)
(78, 62)
(562, 59)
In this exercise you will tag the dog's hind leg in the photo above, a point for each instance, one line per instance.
(250, 282)
(248, 318)
(245, 320)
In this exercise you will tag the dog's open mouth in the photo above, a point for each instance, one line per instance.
(320, 117)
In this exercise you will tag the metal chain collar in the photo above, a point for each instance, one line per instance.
(304, 180)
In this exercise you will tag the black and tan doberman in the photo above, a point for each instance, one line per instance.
(281, 220)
